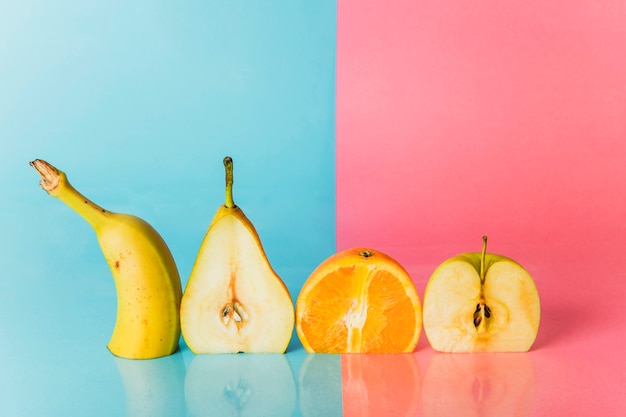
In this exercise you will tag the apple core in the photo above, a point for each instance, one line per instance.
(480, 302)
(481, 315)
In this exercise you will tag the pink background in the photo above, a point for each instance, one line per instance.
(458, 119)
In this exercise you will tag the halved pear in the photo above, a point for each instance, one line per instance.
(234, 301)
(480, 302)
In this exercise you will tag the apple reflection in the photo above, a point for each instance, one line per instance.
(381, 384)
(483, 384)
(153, 387)
(240, 385)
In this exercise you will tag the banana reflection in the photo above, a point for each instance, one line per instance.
(485, 384)
(375, 385)
(351, 385)
(240, 385)
(153, 387)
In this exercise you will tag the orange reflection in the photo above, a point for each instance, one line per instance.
(375, 385)
(484, 384)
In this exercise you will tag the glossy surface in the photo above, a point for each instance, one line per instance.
(453, 121)
(460, 119)
(139, 103)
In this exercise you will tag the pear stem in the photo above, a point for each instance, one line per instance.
(228, 166)
(482, 260)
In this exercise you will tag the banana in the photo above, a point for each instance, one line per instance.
(146, 278)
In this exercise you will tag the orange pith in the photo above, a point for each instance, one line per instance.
(359, 301)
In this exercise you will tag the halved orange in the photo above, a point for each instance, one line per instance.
(359, 301)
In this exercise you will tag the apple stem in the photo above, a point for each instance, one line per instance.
(228, 166)
(482, 260)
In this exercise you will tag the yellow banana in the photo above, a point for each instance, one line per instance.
(146, 277)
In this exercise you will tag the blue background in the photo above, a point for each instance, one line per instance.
(138, 103)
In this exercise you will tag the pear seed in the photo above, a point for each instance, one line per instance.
(226, 314)
(237, 317)
(234, 311)
(240, 310)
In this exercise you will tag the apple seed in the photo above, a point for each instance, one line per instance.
(482, 311)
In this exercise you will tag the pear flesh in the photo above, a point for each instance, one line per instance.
(464, 313)
(234, 301)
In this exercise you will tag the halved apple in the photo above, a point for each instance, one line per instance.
(480, 302)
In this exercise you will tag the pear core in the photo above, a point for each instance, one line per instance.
(234, 301)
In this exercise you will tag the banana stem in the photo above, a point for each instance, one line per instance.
(228, 166)
(55, 183)
(482, 260)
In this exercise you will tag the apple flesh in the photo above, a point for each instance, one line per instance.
(481, 302)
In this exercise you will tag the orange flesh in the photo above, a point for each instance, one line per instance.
(359, 308)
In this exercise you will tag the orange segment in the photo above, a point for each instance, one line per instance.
(359, 301)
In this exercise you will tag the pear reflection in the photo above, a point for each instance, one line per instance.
(153, 387)
(319, 384)
(484, 384)
(375, 385)
(240, 385)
